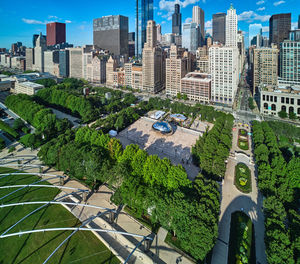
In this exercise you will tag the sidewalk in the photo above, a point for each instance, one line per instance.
(160, 252)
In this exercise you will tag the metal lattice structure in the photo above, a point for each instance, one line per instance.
(58, 201)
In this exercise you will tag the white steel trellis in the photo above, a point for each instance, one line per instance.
(56, 201)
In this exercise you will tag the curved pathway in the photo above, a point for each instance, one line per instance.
(234, 200)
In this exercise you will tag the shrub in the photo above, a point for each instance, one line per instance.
(242, 178)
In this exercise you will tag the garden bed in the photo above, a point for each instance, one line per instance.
(241, 249)
(243, 140)
(242, 178)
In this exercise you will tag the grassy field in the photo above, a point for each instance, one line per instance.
(83, 247)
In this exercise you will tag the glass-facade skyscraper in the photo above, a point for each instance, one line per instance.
(144, 12)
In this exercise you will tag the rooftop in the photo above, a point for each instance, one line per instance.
(32, 85)
(197, 76)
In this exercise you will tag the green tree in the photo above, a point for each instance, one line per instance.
(282, 114)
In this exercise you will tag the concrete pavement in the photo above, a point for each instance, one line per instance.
(234, 200)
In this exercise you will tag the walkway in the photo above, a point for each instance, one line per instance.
(160, 252)
(234, 200)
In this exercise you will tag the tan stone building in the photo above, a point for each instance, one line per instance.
(29, 88)
(265, 67)
(197, 86)
(110, 69)
(176, 69)
(153, 62)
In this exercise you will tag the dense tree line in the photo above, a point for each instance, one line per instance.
(77, 105)
(6, 128)
(37, 115)
(285, 129)
(155, 187)
(212, 149)
(46, 82)
(279, 182)
(119, 120)
(147, 184)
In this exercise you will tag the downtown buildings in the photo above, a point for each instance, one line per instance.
(279, 27)
(176, 20)
(219, 27)
(56, 33)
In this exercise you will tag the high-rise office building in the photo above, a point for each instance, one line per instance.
(131, 44)
(64, 66)
(299, 22)
(294, 35)
(51, 62)
(190, 36)
(176, 20)
(153, 62)
(223, 63)
(265, 67)
(198, 18)
(158, 31)
(111, 33)
(279, 27)
(56, 33)
(34, 38)
(144, 12)
(219, 27)
(29, 58)
(290, 61)
(39, 49)
(231, 27)
(176, 69)
(254, 30)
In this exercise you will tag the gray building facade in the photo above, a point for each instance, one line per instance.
(64, 64)
(176, 20)
(279, 27)
(219, 27)
(111, 33)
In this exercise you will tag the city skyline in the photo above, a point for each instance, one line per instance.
(21, 22)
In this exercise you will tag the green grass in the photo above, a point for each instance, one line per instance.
(243, 143)
(242, 178)
(83, 247)
(241, 247)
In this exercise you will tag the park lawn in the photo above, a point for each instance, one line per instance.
(242, 178)
(241, 249)
(83, 247)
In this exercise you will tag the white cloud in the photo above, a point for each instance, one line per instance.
(261, 8)
(188, 20)
(168, 5)
(68, 21)
(54, 17)
(278, 3)
(33, 21)
(265, 29)
(208, 24)
(250, 16)
(260, 2)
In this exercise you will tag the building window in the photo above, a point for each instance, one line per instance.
(275, 99)
(299, 111)
(266, 106)
(282, 100)
(283, 108)
(291, 109)
(292, 101)
(271, 98)
(298, 101)
(287, 100)
(273, 107)
(264, 97)
(268, 98)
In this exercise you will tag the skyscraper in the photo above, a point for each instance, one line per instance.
(34, 38)
(265, 67)
(39, 49)
(176, 20)
(254, 30)
(198, 18)
(153, 62)
(231, 27)
(280, 25)
(111, 33)
(219, 27)
(299, 22)
(190, 36)
(56, 33)
(144, 12)
(289, 61)
(223, 63)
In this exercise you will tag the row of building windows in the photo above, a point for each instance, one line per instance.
(286, 100)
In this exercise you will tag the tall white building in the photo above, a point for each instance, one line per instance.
(231, 27)
(51, 62)
(223, 63)
(198, 18)
(39, 49)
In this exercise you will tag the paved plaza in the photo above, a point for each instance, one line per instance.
(177, 147)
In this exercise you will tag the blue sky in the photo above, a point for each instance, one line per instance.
(18, 22)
